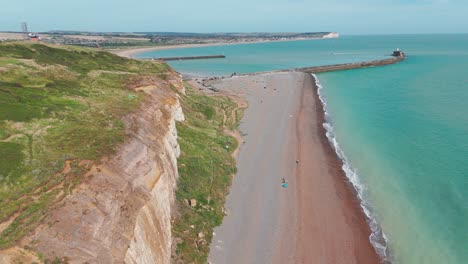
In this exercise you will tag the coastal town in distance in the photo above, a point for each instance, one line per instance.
(130, 39)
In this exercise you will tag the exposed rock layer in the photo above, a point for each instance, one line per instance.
(121, 212)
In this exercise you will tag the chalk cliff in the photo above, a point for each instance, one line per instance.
(121, 211)
(332, 35)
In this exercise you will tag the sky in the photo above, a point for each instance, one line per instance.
(349, 17)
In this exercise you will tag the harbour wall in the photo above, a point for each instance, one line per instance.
(349, 66)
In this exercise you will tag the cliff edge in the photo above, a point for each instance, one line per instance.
(112, 209)
(122, 210)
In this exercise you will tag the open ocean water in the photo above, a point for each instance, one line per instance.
(402, 130)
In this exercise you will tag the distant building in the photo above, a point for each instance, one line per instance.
(33, 37)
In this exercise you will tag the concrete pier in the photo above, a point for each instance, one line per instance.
(349, 66)
(191, 58)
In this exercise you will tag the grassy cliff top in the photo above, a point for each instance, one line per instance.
(58, 106)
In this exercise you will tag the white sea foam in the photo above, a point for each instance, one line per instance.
(377, 238)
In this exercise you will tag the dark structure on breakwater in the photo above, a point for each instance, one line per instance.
(398, 53)
(191, 58)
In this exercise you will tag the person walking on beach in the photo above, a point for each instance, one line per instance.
(284, 183)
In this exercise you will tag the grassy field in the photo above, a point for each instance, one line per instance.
(57, 106)
(205, 166)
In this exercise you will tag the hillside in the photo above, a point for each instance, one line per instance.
(63, 113)
(88, 168)
(57, 107)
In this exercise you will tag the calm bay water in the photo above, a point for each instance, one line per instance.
(403, 128)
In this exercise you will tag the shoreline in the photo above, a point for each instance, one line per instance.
(336, 164)
(342, 241)
(132, 52)
(377, 237)
(318, 218)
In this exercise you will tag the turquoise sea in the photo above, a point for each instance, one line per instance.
(402, 130)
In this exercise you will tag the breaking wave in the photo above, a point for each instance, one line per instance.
(377, 238)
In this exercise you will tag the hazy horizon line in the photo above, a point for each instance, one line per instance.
(241, 32)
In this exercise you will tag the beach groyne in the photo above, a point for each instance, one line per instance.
(191, 58)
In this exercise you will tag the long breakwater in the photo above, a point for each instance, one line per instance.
(355, 65)
(190, 58)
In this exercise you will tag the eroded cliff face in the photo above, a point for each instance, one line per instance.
(121, 211)
(154, 218)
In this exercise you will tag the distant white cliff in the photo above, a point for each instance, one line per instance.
(332, 35)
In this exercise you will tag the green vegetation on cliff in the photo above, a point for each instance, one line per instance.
(205, 166)
(58, 106)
